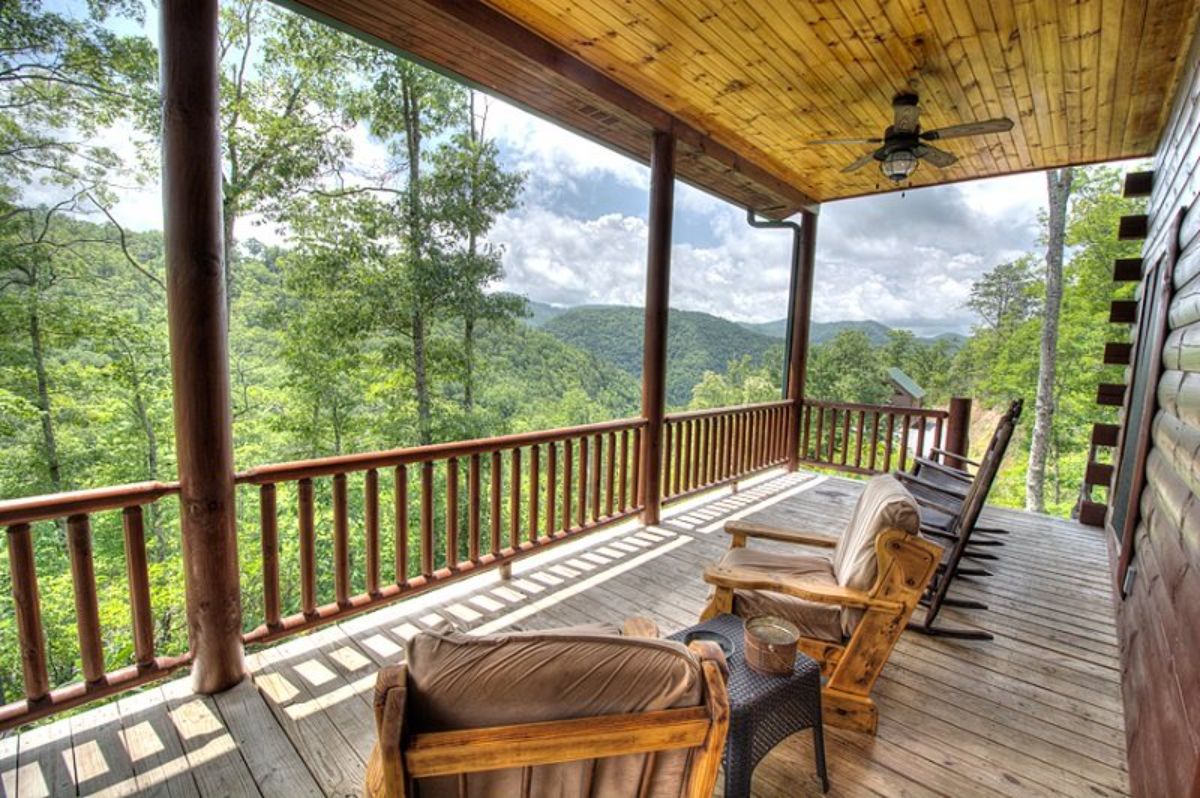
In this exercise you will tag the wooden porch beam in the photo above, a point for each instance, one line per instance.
(803, 270)
(199, 331)
(654, 353)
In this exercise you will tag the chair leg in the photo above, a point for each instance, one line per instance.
(719, 603)
(848, 711)
(974, 572)
(992, 530)
(979, 555)
(966, 604)
(984, 542)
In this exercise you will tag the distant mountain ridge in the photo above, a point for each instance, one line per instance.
(819, 332)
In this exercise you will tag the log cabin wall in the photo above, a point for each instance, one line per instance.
(1159, 618)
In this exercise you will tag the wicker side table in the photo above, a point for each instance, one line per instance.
(763, 710)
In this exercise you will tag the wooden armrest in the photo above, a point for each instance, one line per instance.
(385, 777)
(746, 579)
(637, 626)
(953, 456)
(944, 469)
(752, 530)
(710, 650)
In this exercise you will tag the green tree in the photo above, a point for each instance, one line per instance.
(847, 368)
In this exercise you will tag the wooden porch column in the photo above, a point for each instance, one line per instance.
(958, 427)
(803, 268)
(654, 354)
(196, 314)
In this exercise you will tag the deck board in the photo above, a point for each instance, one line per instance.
(1037, 711)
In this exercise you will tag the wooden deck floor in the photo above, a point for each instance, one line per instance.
(1035, 712)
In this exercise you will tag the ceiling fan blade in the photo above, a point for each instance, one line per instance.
(939, 158)
(1001, 125)
(862, 161)
(847, 141)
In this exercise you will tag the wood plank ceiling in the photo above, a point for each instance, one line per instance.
(1084, 80)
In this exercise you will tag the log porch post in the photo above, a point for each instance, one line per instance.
(198, 324)
(958, 427)
(654, 353)
(803, 268)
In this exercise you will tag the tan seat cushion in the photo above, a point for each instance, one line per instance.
(456, 681)
(819, 621)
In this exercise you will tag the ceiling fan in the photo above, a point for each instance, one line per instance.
(905, 144)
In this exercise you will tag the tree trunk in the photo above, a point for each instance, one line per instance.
(228, 221)
(469, 360)
(416, 233)
(49, 441)
(421, 379)
(1059, 188)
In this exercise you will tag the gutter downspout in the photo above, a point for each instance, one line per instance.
(797, 243)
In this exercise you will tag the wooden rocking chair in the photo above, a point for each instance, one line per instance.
(954, 517)
(851, 608)
(573, 712)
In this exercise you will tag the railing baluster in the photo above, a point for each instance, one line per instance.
(938, 442)
(635, 480)
(269, 526)
(887, 446)
(688, 467)
(494, 503)
(87, 604)
(308, 565)
(137, 572)
(820, 411)
(806, 420)
(597, 446)
(341, 542)
(610, 474)
(622, 478)
(371, 528)
(474, 508)
(23, 571)
(698, 454)
(665, 457)
(514, 500)
(920, 452)
(452, 513)
(845, 435)
(904, 443)
(833, 420)
(568, 464)
(427, 563)
(400, 506)
(677, 462)
(858, 438)
(551, 488)
(583, 481)
(535, 491)
(874, 438)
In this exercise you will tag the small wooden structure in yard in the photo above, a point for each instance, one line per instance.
(905, 391)
(724, 96)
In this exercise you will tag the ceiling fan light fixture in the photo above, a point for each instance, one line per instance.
(898, 165)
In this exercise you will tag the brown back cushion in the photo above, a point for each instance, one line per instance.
(884, 504)
(457, 681)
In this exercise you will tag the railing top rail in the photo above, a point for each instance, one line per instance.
(721, 411)
(78, 502)
(328, 466)
(931, 412)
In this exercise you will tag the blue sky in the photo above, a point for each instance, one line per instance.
(579, 236)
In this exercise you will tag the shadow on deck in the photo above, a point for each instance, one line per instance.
(1035, 712)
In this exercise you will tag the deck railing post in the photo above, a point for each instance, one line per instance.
(803, 267)
(654, 355)
(958, 426)
(199, 330)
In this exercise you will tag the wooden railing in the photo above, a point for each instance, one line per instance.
(706, 448)
(867, 439)
(500, 498)
(323, 539)
(74, 512)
